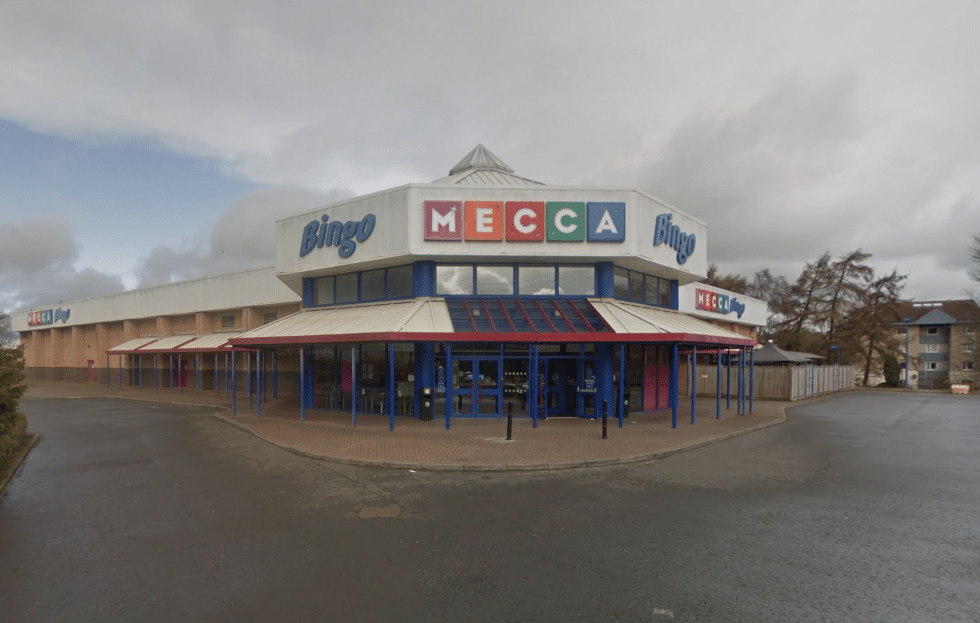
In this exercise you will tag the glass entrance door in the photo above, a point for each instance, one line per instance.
(568, 386)
(476, 387)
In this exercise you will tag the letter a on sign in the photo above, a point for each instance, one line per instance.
(443, 220)
(607, 221)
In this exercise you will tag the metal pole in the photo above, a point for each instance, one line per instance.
(156, 372)
(694, 383)
(275, 374)
(392, 386)
(752, 379)
(181, 379)
(216, 374)
(258, 383)
(248, 376)
(728, 382)
(674, 373)
(449, 383)
(120, 371)
(907, 368)
(532, 386)
(622, 383)
(605, 417)
(141, 371)
(510, 419)
(718, 386)
(302, 383)
(171, 372)
(226, 372)
(234, 384)
(353, 385)
(197, 372)
(108, 372)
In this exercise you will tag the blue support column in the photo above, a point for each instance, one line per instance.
(532, 385)
(181, 379)
(390, 391)
(197, 372)
(258, 383)
(449, 383)
(603, 376)
(141, 371)
(741, 381)
(694, 383)
(234, 385)
(156, 372)
(302, 384)
(248, 376)
(674, 374)
(751, 379)
(309, 377)
(605, 282)
(622, 383)
(227, 373)
(353, 385)
(120, 371)
(108, 372)
(275, 374)
(728, 382)
(216, 374)
(171, 372)
(132, 371)
(718, 387)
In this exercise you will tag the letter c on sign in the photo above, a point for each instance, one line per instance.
(520, 225)
(560, 216)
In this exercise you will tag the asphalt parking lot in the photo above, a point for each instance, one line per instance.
(859, 508)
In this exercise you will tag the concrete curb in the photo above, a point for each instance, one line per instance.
(19, 461)
(523, 467)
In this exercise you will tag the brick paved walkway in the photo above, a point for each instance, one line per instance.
(469, 444)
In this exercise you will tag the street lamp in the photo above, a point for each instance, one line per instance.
(907, 322)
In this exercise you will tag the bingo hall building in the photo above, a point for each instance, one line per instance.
(477, 295)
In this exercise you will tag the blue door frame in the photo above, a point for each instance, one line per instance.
(479, 391)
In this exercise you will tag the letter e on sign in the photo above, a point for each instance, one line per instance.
(525, 221)
(484, 220)
(443, 220)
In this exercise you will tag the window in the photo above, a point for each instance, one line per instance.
(967, 366)
(930, 348)
(577, 280)
(323, 291)
(373, 285)
(636, 286)
(495, 280)
(621, 283)
(932, 365)
(400, 284)
(968, 348)
(346, 288)
(454, 280)
(227, 322)
(536, 280)
(268, 317)
(932, 330)
(969, 329)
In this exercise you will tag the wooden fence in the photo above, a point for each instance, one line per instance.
(775, 382)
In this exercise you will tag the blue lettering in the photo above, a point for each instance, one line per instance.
(309, 238)
(665, 232)
(343, 235)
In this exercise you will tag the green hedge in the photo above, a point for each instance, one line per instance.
(12, 440)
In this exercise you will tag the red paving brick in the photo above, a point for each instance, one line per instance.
(468, 444)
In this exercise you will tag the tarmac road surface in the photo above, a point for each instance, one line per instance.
(860, 508)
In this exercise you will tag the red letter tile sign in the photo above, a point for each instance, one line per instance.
(525, 221)
(443, 220)
(484, 220)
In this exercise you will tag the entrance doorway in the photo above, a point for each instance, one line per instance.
(567, 386)
(477, 389)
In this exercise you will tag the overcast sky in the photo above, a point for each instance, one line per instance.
(147, 142)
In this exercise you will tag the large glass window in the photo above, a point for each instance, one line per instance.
(323, 291)
(347, 288)
(576, 280)
(636, 286)
(454, 280)
(400, 282)
(536, 280)
(621, 283)
(373, 285)
(495, 280)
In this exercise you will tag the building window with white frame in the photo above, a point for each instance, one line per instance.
(932, 365)
(968, 366)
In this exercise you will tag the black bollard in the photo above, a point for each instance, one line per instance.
(605, 414)
(510, 418)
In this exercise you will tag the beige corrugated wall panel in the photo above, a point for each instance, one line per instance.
(132, 344)
(625, 317)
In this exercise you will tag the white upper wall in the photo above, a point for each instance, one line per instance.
(698, 299)
(245, 289)
(399, 232)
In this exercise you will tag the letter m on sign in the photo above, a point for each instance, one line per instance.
(443, 220)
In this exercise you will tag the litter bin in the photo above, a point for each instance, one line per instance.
(427, 404)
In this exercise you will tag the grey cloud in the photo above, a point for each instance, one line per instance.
(30, 246)
(242, 238)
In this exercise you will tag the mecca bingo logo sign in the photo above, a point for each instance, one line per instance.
(525, 221)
